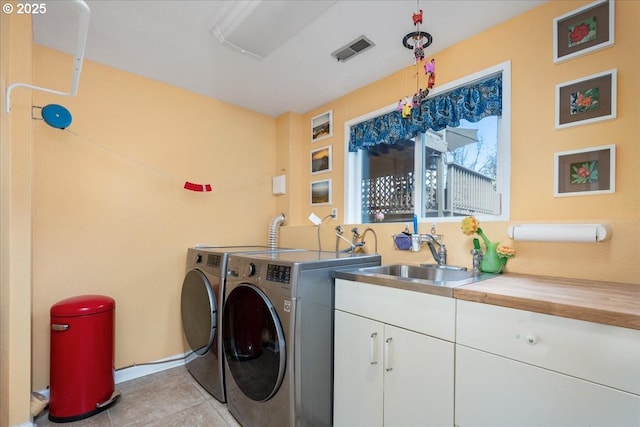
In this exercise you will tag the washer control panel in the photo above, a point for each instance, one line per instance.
(279, 273)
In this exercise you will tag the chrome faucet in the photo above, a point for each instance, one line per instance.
(433, 240)
(476, 252)
(477, 259)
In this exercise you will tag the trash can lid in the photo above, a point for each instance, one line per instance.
(82, 305)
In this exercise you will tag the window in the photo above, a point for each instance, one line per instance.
(401, 167)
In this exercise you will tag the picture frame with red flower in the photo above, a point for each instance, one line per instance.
(586, 171)
(583, 30)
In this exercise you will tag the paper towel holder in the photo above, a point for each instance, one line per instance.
(582, 233)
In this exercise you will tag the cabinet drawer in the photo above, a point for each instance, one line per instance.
(425, 313)
(496, 391)
(608, 355)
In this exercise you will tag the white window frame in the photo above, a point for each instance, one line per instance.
(353, 161)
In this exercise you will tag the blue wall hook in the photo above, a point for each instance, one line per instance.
(56, 116)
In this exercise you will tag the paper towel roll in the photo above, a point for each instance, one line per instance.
(587, 233)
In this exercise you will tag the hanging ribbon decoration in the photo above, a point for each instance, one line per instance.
(197, 187)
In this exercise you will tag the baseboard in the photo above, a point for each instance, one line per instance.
(138, 371)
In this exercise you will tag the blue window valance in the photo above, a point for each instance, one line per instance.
(471, 102)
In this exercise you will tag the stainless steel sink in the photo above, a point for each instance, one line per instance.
(419, 272)
(426, 278)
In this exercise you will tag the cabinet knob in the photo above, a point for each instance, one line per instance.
(532, 339)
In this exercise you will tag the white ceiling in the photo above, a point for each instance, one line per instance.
(170, 41)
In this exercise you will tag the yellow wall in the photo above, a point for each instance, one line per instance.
(15, 221)
(289, 132)
(110, 214)
(526, 41)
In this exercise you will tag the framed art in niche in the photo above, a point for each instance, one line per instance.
(321, 192)
(321, 160)
(322, 126)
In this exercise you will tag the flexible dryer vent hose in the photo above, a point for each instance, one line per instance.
(273, 231)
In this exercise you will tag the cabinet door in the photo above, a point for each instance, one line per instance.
(418, 381)
(495, 391)
(358, 371)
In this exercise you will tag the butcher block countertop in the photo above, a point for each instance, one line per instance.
(609, 303)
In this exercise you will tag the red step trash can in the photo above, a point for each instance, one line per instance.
(81, 381)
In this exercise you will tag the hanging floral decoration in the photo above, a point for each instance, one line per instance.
(418, 41)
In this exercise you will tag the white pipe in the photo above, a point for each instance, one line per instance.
(83, 31)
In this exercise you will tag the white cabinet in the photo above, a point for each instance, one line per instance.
(386, 373)
(395, 356)
(357, 371)
(515, 367)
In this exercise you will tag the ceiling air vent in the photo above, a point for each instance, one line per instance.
(353, 48)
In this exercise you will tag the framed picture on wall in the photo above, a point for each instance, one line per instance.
(322, 126)
(321, 192)
(585, 172)
(321, 160)
(586, 100)
(583, 30)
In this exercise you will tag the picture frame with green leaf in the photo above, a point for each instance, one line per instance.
(586, 171)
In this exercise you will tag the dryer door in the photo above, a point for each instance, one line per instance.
(253, 341)
(198, 307)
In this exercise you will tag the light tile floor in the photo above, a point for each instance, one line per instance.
(170, 398)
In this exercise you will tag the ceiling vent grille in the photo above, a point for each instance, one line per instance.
(353, 48)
